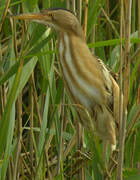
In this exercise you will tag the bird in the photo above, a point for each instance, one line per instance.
(88, 82)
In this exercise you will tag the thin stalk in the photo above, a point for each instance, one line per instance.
(139, 29)
(19, 116)
(138, 96)
(47, 146)
(133, 149)
(31, 130)
(134, 16)
(110, 22)
(120, 80)
(67, 4)
(72, 5)
(126, 88)
(15, 40)
(79, 9)
(19, 132)
(136, 53)
(92, 38)
(35, 99)
(42, 105)
(108, 30)
(85, 18)
(4, 14)
(133, 122)
(48, 169)
(4, 96)
(60, 150)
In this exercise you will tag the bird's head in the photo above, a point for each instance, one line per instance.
(61, 19)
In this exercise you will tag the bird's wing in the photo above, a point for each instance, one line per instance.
(113, 91)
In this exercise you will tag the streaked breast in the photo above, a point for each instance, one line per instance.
(79, 85)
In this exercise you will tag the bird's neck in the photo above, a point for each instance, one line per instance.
(66, 44)
(78, 32)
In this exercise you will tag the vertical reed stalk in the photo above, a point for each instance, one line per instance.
(85, 18)
(126, 87)
(120, 84)
(72, 5)
(68, 4)
(19, 116)
(60, 150)
(139, 28)
(79, 9)
(19, 132)
(31, 130)
(35, 100)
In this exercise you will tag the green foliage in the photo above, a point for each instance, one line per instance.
(31, 128)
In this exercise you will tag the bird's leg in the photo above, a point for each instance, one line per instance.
(113, 157)
(112, 164)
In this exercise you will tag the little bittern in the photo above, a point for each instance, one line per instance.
(86, 78)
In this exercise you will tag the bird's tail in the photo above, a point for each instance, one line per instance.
(105, 125)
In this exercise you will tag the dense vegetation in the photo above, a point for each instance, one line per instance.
(38, 129)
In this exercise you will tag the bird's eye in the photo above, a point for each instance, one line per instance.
(51, 15)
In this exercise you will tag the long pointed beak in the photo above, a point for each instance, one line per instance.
(29, 16)
(41, 17)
